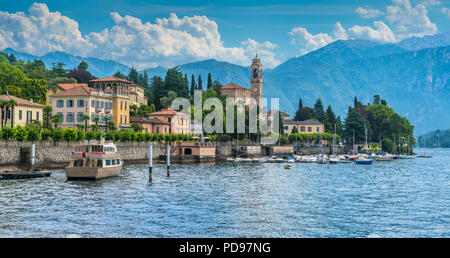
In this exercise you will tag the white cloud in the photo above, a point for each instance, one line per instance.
(446, 11)
(432, 3)
(167, 42)
(382, 33)
(307, 41)
(41, 31)
(408, 21)
(368, 13)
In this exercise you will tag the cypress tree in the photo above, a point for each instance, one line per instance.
(319, 113)
(193, 86)
(210, 84)
(300, 104)
(200, 86)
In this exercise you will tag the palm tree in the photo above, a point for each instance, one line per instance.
(47, 111)
(96, 121)
(106, 119)
(12, 104)
(85, 119)
(56, 120)
(2, 107)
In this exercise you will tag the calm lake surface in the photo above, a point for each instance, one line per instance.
(403, 198)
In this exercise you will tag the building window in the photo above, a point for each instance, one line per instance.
(29, 116)
(80, 103)
(80, 117)
(92, 117)
(92, 103)
(20, 114)
(286, 128)
(302, 129)
(126, 104)
(50, 100)
(318, 129)
(37, 115)
(60, 103)
(61, 117)
(309, 129)
(70, 103)
(121, 118)
(120, 105)
(69, 117)
(97, 103)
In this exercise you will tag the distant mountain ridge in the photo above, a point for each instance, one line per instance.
(413, 76)
(98, 67)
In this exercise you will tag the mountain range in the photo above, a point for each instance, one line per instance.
(412, 75)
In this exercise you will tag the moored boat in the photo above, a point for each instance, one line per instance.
(364, 161)
(94, 161)
(424, 156)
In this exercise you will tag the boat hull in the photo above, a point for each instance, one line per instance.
(92, 173)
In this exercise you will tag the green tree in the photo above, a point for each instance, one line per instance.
(355, 122)
(83, 65)
(167, 101)
(387, 145)
(319, 113)
(33, 133)
(125, 135)
(46, 134)
(56, 119)
(329, 120)
(85, 119)
(69, 135)
(81, 135)
(133, 75)
(136, 127)
(200, 86)
(193, 85)
(7, 133)
(57, 134)
(376, 99)
(210, 84)
(20, 134)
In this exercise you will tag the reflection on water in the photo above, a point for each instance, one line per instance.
(403, 198)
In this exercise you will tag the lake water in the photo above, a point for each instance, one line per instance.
(403, 198)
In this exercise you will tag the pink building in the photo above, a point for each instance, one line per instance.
(72, 104)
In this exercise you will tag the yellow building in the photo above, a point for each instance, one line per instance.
(137, 96)
(119, 90)
(307, 126)
(23, 113)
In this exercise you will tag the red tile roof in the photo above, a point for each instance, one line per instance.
(232, 86)
(68, 86)
(164, 112)
(143, 120)
(109, 79)
(77, 91)
(21, 102)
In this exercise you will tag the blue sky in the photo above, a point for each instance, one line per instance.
(278, 30)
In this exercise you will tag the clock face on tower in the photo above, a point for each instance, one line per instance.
(255, 90)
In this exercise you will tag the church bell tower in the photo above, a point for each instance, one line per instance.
(256, 82)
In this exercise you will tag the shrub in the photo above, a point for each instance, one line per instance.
(57, 134)
(33, 134)
(20, 133)
(7, 133)
(46, 134)
(70, 134)
(80, 135)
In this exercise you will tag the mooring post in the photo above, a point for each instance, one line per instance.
(168, 159)
(32, 157)
(150, 162)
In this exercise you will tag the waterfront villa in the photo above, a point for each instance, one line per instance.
(60, 87)
(151, 125)
(71, 105)
(307, 126)
(137, 96)
(24, 112)
(119, 91)
(179, 122)
(284, 116)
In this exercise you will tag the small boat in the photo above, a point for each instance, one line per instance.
(291, 161)
(256, 159)
(364, 161)
(94, 161)
(287, 166)
(407, 157)
(312, 159)
(230, 159)
(334, 160)
(237, 160)
(322, 160)
(345, 161)
(424, 156)
(279, 160)
(263, 160)
(248, 160)
(394, 156)
(383, 158)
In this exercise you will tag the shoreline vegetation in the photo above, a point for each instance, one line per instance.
(32, 80)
